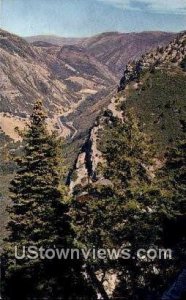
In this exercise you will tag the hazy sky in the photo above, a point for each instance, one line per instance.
(87, 17)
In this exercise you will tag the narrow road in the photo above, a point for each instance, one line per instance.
(67, 128)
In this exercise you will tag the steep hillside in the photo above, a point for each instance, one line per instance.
(154, 87)
(75, 78)
(75, 81)
(116, 49)
(113, 49)
(28, 73)
(7, 168)
(164, 116)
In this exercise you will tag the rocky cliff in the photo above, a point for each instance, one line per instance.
(162, 69)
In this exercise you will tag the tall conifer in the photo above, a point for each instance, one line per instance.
(39, 217)
(125, 213)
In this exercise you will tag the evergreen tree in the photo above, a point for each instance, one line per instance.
(128, 212)
(39, 217)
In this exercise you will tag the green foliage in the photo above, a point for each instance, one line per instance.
(127, 213)
(141, 207)
(7, 149)
(128, 153)
(173, 180)
(39, 217)
(36, 184)
(160, 106)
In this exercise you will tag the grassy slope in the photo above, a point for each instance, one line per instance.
(7, 167)
(4, 201)
(161, 105)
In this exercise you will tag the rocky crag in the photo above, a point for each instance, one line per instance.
(172, 59)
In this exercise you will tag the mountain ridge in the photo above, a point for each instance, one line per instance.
(74, 101)
(68, 78)
(113, 49)
(75, 40)
(30, 72)
(154, 87)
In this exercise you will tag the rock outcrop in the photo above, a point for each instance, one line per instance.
(90, 157)
(163, 57)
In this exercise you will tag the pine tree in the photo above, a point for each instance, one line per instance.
(39, 217)
(129, 154)
(126, 213)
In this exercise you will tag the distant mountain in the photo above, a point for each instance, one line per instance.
(116, 49)
(60, 76)
(74, 80)
(55, 40)
(112, 49)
